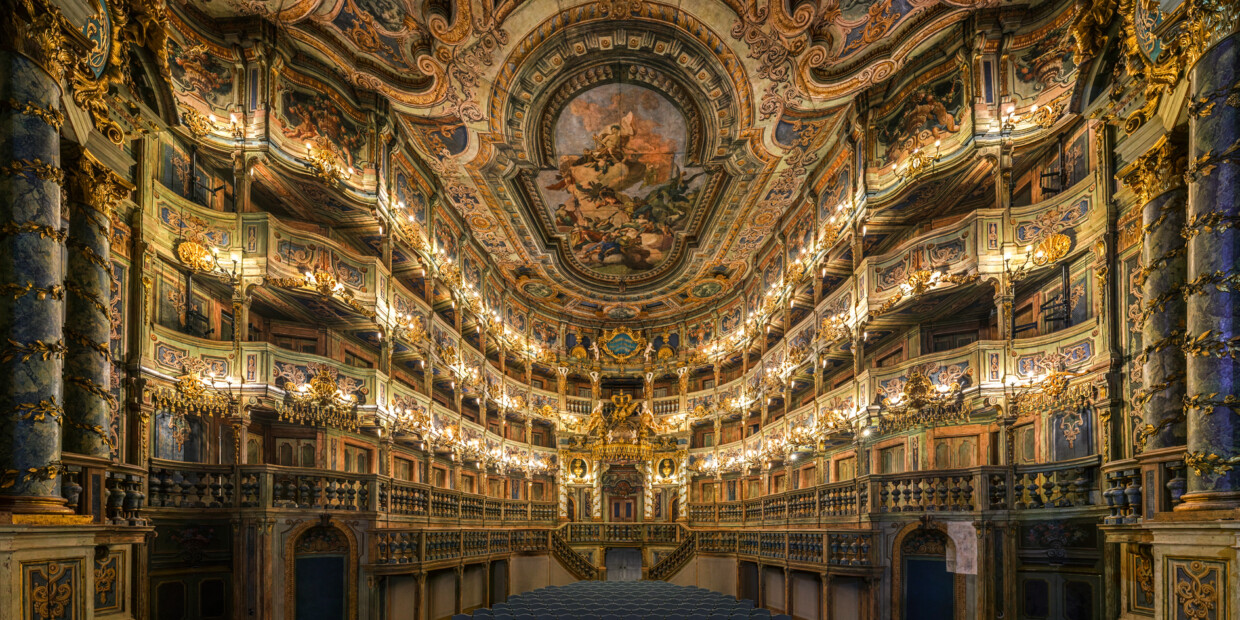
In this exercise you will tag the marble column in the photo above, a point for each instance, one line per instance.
(93, 191)
(1213, 231)
(1157, 177)
(31, 243)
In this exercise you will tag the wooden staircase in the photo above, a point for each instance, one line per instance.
(573, 562)
(672, 563)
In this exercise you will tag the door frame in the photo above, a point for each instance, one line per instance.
(897, 573)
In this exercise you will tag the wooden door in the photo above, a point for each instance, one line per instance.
(622, 510)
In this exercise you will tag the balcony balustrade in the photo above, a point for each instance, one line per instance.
(1054, 486)
(173, 485)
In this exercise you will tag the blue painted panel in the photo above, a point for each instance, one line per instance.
(929, 589)
(320, 588)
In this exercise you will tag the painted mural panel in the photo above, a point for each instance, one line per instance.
(930, 109)
(622, 190)
(201, 72)
(310, 112)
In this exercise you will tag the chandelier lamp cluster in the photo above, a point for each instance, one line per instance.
(1044, 116)
(320, 402)
(410, 328)
(1046, 251)
(200, 124)
(200, 396)
(508, 402)
(1048, 391)
(921, 402)
(466, 374)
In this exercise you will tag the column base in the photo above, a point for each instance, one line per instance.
(1225, 500)
(14, 506)
(43, 518)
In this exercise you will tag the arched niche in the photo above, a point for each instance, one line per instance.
(320, 572)
(922, 540)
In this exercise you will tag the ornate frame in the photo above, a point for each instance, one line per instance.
(623, 330)
(897, 570)
(290, 566)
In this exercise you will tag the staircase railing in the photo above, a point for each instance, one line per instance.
(572, 561)
(671, 563)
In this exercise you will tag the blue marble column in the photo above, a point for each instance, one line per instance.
(93, 191)
(1158, 179)
(1213, 290)
(31, 285)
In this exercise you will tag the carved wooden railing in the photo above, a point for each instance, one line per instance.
(110, 494)
(572, 561)
(173, 485)
(671, 563)
(1063, 485)
(846, 548)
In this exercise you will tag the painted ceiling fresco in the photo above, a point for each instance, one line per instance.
(621, 190)
(618, 159)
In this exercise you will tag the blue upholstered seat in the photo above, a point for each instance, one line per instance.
(634, 600)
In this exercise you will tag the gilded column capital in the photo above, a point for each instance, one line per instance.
(1207, 22)
(96, 186)
(37, 29)
(1158, 171)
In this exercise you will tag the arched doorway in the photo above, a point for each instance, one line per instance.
(570, 509)
(927, 588)
(320, 573)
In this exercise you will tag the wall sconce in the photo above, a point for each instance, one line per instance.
(197, 257)
(326, 164)
(920, 162)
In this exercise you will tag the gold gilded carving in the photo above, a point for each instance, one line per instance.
(1196, 598)
(9, 477)
(37, 167)
(1051, 249)
(1157, 79)
(198, 124)
(51, 116)
(1089, 26)
(45, 232)
(1158, 171)
(1209, 464)
(51, 598)
(96, 186)
(37, 349)
(39, 31)
(617, 343)
(195, 255)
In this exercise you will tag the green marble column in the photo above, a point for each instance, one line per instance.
(1157, 177)
(31, 276)
(1213, 232)
(93, 191)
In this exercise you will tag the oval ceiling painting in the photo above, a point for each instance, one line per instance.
(622, 193)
